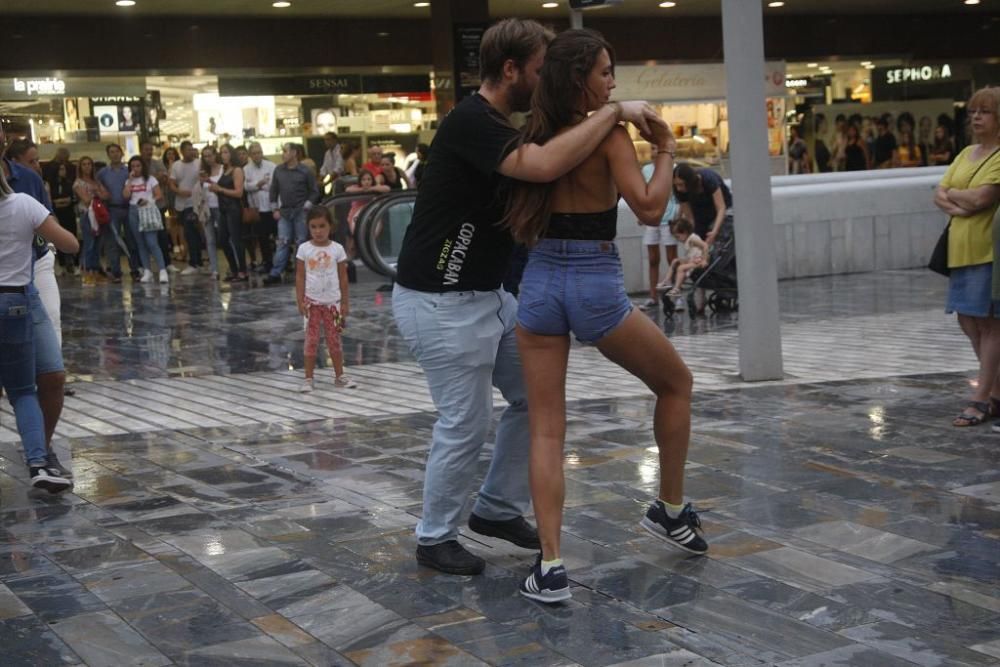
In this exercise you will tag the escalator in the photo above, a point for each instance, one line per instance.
(379, 223)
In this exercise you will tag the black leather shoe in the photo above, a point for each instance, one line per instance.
(450, 557)
(272, 280)
(517, 531)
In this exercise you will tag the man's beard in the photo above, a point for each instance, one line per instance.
(520, 97)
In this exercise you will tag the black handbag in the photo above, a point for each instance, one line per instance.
(939, 256)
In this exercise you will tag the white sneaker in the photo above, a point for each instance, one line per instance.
(665, 286)
(307, 386)
(649, 304)
(345, 382)
(190, 271)
(680, 303)
(173, 269)
(147, 276)
(163, 276)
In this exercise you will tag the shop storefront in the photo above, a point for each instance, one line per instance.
(692, 99)
(84, 114)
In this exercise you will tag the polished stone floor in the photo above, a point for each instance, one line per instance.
(220, 519)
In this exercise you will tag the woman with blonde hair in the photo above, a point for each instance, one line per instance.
(970, 194)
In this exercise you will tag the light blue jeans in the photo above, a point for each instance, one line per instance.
(148, 242)
(211, 234)
(17, 372)
(293, 226)
(464, 341)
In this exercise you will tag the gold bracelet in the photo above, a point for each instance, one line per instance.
(660, 151)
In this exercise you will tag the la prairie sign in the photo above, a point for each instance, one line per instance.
(46, 86)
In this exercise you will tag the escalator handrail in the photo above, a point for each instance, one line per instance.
(364, 226)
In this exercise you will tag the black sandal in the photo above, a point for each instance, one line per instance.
(964, 420)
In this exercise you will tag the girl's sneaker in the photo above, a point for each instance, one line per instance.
(345, 382)
(164, 276)
(307, 386)
(551, 588)
(49, 478)
(147, 276)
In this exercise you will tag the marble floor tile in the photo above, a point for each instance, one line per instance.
(854, 655)
(103, 639)
(28, 641)
(863, 541)
(991, 648)
(802, 569)
(55, 597)
(253, 652)
(772, 635)
(922, 649)
(117, 583)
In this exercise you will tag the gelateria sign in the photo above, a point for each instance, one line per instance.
(687, 83)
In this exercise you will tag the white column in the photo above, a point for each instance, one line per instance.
(575, 18)
(760, 331)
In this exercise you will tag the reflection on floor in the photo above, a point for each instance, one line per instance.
(849, 523)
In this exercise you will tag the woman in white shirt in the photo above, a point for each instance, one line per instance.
(142, 192)
(21, 217)
(211, 172)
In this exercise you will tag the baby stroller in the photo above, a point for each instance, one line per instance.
(718, 279)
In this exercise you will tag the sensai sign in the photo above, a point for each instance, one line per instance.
(917, 74)
(46, 86)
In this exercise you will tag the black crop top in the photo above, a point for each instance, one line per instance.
(600, 226)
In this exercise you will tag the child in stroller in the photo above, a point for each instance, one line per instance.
(695, 257)
(716, 275)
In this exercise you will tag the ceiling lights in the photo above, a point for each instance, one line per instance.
(777, 3)
(421, 4)
(125, 3)
(972, 2)
(281, 4)
(668, 5)
(550, 5)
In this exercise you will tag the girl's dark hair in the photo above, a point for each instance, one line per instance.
(348, 149)
(317, 212)
(682, 226)
(234, 161)
(563, 82)
(686, 173)
(361, 175)
(171, 151)
(204, 165)
(145, 168)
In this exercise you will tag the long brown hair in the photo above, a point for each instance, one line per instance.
(568, 62)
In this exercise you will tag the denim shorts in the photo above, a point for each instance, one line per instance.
(970, 291)
(48, 352)
(573, 286)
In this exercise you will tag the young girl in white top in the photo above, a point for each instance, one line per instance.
(143, 191)
(321, 293)
(694, 256)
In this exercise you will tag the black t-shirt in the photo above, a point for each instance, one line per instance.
(884, 146)
(703, 203)
(454, 242)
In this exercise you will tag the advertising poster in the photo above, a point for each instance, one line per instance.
(107, 118)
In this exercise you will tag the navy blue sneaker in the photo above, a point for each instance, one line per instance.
(682, 532)
(552, 588)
